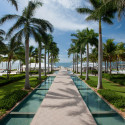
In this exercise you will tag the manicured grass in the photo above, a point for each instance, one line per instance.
(12, 93)
(116, 78)
(12, 78)
(4, 90)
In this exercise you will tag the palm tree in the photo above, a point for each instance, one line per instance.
(94, 56)
(29, 26)
(20, 54)
(104, 16)
(71, 50)
(35, 56)
(54, 54)
(87, 37)
(31, 49)
(110, 50)
(50, 40)
(10, 50)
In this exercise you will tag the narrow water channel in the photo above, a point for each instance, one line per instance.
(25, 111)
(101, 111)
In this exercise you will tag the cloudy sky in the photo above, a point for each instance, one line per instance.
(65, 19)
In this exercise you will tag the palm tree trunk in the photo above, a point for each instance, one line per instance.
(81, 62)
(51, 62)
(45, 61)
(110, 66)
(8, 69)
(77, 62)
(87, 77)
(27, 85)
(117, 65)
(100, 56)
(105, 66)
(48, 61)
(20, 66)
(73, 62)
(40, 61)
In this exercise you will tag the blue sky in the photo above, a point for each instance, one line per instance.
(65, 19)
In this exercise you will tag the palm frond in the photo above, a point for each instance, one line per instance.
(84, 10)
(17, 25)
(14, 2)
(43, 23)
(8, 17)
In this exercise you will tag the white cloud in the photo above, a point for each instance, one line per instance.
(62, 14)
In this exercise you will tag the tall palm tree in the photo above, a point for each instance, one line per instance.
(71, 50)
(104, 16)
(10, 50)
(110, 49)
(50, 40)
(29, 26)
(87, 37)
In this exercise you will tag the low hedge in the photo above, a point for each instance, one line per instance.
(82, 77)
(12, 98)
(91, 83)
(12, 79)
(111, 96)
(36, 82)
(116, 78)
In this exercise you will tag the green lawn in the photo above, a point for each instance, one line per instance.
(109, 85)
(4, 90)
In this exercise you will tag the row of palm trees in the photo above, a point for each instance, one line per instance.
(102, 11)
(26, 27)
(80, 46)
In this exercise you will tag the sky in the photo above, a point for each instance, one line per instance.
(63, 16)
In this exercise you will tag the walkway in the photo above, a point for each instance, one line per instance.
(63, 105)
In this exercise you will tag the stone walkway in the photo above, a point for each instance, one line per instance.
(63, 105)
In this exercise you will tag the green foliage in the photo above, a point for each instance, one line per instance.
(82, 77)
(35, 82)
(111, 96)
(95, 72)
(116, 78)
(12, 98)
(13, 78)
(92, 83)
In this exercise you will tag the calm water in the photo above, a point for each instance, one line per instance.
(63, 64)
(97, 106)
(29, 105)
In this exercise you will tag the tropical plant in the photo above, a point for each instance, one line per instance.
(29, 26)
(104, 16)
(10, 50)
(71, 50)
(2, 34)
(110, 50)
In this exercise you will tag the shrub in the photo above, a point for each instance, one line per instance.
(12, 98)
(91, 83)
(82, 77)
(36, 82)
(116, 78)
(95, 72)
(12, 79)
(111, 96)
